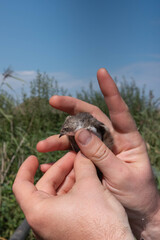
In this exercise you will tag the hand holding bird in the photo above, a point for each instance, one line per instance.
(126, 169)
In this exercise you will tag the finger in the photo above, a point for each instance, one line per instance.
(53, 143)
(70, 105)
(118, 110)
(23, 186)
(56, 174)
(87, 182)
(73, 106)
(84, 169)
(95, 150)
(44, 167)
(67, 184)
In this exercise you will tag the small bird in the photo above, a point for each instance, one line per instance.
(87, 121)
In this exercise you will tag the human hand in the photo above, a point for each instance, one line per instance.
(126, 171)
(87, 211)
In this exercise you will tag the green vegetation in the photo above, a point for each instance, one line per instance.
(22, 125)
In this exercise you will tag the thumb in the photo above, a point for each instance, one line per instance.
(94, 149)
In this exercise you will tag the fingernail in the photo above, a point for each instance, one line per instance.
(84, 137)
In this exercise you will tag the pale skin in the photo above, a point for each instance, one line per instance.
(126, 171)
(87, 211)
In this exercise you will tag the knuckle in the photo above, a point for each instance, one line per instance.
(100, 153)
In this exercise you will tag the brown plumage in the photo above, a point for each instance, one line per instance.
(87, 121)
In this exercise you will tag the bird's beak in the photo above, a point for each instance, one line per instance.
(61, 134)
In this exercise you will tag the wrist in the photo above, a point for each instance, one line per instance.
(152, 227)
(146, 226)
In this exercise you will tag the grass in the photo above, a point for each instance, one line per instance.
(24, 124)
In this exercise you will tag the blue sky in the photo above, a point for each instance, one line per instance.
(72, 39)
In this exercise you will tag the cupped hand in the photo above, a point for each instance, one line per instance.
(86, 211)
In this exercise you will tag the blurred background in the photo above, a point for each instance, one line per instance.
(52, 47)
